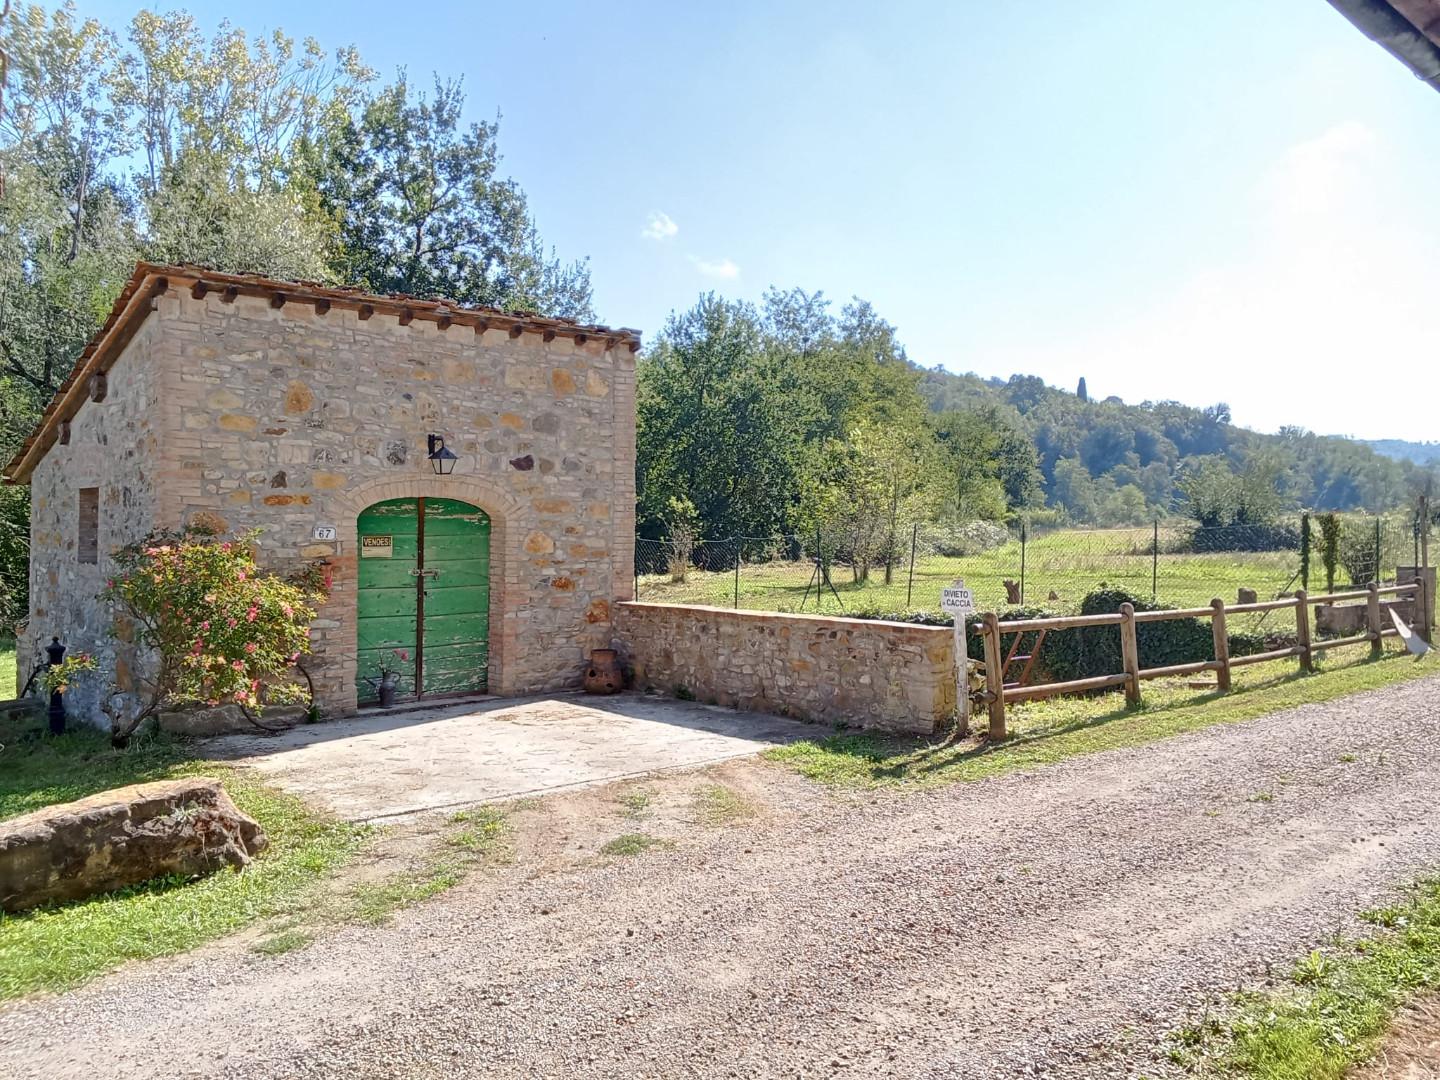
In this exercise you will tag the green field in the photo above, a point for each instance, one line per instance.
(1068, 562)
(7, 670)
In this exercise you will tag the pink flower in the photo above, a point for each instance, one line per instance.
(241, 695)
(230, 623)
(250, 646)
(205, 625)
(238, 665)
(287, 609)
(198, 647)
(252, 613)
(402, 654)
(239, 575)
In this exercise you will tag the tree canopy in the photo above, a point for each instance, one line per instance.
(258, 154)
(788, 416)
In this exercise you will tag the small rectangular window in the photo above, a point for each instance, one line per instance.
(87, 543)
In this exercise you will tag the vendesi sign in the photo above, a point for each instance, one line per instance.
(377, 547)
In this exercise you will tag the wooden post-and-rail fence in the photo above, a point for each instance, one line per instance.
(998, 693)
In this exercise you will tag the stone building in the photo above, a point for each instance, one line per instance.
(310, 413)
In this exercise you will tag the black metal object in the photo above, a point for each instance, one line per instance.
(54, 657)
(442, 458)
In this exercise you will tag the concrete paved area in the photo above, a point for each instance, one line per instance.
(405, 762)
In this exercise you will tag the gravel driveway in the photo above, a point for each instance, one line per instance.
(1050, 923)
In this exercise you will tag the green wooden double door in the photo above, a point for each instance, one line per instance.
(424, 596)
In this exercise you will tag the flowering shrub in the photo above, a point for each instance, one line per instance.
(59, 677)
(221, 629)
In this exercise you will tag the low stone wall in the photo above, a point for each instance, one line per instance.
(867, 673)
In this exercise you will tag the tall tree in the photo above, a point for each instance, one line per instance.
(714, 426)
(422, 209)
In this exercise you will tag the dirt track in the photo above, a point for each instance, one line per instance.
(1044, 924)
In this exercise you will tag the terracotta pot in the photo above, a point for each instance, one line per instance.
(603, 675)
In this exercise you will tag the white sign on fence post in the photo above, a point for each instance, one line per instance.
(958, 600)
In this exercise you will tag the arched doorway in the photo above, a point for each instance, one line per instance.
(423, 599)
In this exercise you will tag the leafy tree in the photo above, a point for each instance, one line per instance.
(875, 484)
(202, 214)
(1074, 490)
(422, 209)
(714, 426)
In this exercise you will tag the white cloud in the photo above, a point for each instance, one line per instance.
(1324, 320)
(724, 269)
(660, 226)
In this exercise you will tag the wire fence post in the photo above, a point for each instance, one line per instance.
(1305, 550)
(1155, 563)
(1024, 538)
(739, 554)
(910, 584)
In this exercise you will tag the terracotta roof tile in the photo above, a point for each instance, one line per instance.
(131, 307)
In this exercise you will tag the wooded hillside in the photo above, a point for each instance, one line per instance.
(790, 416)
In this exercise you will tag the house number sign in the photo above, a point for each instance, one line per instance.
(323, 532)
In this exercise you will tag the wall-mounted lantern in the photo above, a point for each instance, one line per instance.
(442, 458)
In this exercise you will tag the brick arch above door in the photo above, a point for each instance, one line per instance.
(507, 525)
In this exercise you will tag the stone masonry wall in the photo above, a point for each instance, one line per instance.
(885, 675)
(115, 445)
(248, 416)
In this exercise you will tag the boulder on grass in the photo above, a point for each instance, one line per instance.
(122, 837)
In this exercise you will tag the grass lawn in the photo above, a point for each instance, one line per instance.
(59, 947)
(1069, 562)
(7, 669)
(1334, 1010)
(1045, 732)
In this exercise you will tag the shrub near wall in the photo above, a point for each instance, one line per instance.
(1087, 651)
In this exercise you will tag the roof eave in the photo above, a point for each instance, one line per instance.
(1382, 23)
(151, 280)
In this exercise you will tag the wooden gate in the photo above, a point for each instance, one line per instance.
(423, 606)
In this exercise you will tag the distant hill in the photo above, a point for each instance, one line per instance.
(1107, 461)
(1421, 453)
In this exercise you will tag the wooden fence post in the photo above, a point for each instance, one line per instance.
(1130, 653)
(962, 678)
(1222, 643)
(1423, 600)
(1302, 630)
(1372, 620)
(994, 676)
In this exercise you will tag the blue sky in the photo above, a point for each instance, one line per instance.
(1233, 200)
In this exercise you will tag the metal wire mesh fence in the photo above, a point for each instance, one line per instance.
(1054, 569)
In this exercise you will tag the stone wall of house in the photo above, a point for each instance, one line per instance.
(246, 416)
(886, 675)
(115, 446)
(285, 419)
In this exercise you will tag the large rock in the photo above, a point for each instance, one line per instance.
(122, 837)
